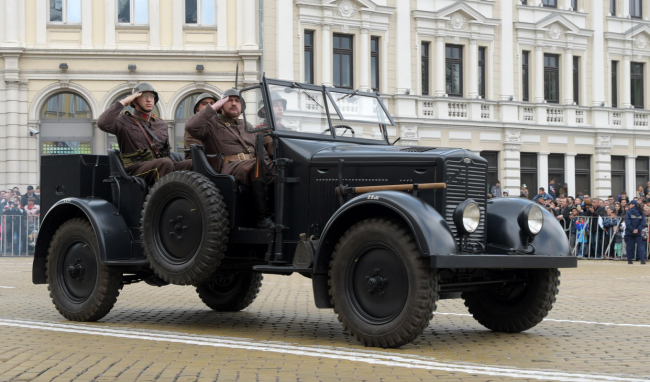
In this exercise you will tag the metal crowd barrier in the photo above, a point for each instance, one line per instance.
(18, 234)
(596, 238)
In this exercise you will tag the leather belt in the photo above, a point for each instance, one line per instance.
(237, 158)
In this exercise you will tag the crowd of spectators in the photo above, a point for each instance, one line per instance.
(19, 220)
(595, 227)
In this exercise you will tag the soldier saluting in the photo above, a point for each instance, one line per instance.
(202, 101)
(221, 132)
(142, 136)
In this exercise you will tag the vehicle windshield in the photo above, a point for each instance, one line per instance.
(304, 108)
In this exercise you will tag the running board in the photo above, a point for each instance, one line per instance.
(280, 270)
(250, 236)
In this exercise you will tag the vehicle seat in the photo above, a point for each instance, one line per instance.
(129, 192)
(117, 169)
(177, 157)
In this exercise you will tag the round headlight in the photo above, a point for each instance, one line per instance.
(531, 219)
(467, 216)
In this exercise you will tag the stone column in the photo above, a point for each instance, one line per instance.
(222, 24)
(542, 170)
(154, 24)
(326, 56)
(598, 63)
(507, 51)
(568, 77)
(511, 174)
(284, 40)
(403, 50)
(11, 23)
(473, 69)
(604, 172)
(570, 172)
(626, 8)
(626, 83)
(87, 24)
(109, 23)
(13, 143)
(178, 19)
(42, 7)
(539, 74)
(630, 175)
(250, 31)
(439, 65)
(3, 135)
(364, 84)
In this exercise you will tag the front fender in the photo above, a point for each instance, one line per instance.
(503, 229)
(112, 233)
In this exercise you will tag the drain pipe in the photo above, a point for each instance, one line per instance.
(261, 26)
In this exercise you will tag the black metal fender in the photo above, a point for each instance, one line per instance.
(113, 235)
(503, 229)
(431, 232)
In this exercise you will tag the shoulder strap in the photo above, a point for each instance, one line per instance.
(153, 147)
(248, 149)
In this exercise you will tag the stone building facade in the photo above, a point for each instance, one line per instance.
(541, 88)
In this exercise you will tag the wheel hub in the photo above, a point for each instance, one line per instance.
(377, 283)
(180, 228)
(76, 270)
(177, 227)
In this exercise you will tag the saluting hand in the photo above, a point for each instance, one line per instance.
(127, 101)
(217, 105)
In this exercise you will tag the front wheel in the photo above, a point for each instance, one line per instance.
(230, 292)
(515, 307)
(381, 287)
(81, 288)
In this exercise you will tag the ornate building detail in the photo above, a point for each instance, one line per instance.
(347, 9)
(603, 150)
(512, 147)
(603, 140)
(64, 84)
(641, 41)
(409, 131)
(555, 32)
(12, 85)
(457, 21)
(345, 28)
(554, 49)
(456, 39)
(512, 136)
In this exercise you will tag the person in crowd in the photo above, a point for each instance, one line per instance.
(30, 194)
(609, 224)
(582, 231)
(32, 209)
(551, 206)
(14, 227)
(640, 192)
(624, 204)
(618, 240)
(202, 101)
(647, 188)
(580, 210)
(564, 190)
(623, 196)
(226, 134)
(618, 209)
(578, 201)
(496, 190)
(4, 201)
(506, 193)
(594, 211)
(523, 191)
(566, 205)
(16, 191)
(551, 188)
(611, 200)
(635, 222)
(542, 195)
(37, 191)
(573, 218)
(142, 136)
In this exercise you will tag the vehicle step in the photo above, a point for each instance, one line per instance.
(280, 269)
(250, 236)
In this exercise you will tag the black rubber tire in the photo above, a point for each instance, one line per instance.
(419, 288)
(206, 242)
(101, 294)
(230, 293)
(520, 312)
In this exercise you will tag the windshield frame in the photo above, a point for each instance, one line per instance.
(351, 92)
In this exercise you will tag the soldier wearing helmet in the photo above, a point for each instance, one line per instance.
(221, 132)
(279, 105)
(203, 100)
(142, 136)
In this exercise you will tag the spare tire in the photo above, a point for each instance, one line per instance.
(184, 228)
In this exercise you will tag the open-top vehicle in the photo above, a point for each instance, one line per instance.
(383, 231)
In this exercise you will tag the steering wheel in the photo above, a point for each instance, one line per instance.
(346, 127)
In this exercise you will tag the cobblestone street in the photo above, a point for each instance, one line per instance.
(597, 331)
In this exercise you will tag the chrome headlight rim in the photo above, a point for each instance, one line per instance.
(467, 216)
(531, 220)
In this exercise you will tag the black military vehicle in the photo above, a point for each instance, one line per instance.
(382, 230)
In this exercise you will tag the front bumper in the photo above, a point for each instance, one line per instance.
(502, 261)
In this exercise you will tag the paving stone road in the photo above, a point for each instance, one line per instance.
(599, 330)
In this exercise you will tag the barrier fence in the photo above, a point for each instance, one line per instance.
(18, 234)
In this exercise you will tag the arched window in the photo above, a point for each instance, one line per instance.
(66, 125)
(183, 113)
(112, 141)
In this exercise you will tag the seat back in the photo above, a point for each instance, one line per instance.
(129, 192)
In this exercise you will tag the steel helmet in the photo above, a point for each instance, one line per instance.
(275, 96)
(235, 93)
(145, 87)
(201, 97)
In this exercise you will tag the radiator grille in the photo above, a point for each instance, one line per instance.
(464, 181)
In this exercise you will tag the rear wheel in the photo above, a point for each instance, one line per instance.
(515, 307)
(230, 292)
(184, 228)
(81, 288)
(381, 287)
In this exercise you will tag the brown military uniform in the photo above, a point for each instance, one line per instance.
(131, 139)
(187, 141)
(218, 137)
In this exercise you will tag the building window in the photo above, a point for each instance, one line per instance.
(65, 11)
(550, 3)
(309, 57)
(425, 68)
(492, 158)
(132, 11)
(612, 7)
(642, 173)
(618, 175)
(576, 80)
(343, 61)
(200, 12)
(374, 63)
(524, 75)
(556, 171)
(551, 78)
(454, 70)
(481, 72)
(528, 173)
(614, 84)
(60, 112)
(583, 174)
(574, 5)
(524, 2)
(636, 76)
(635, 8)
